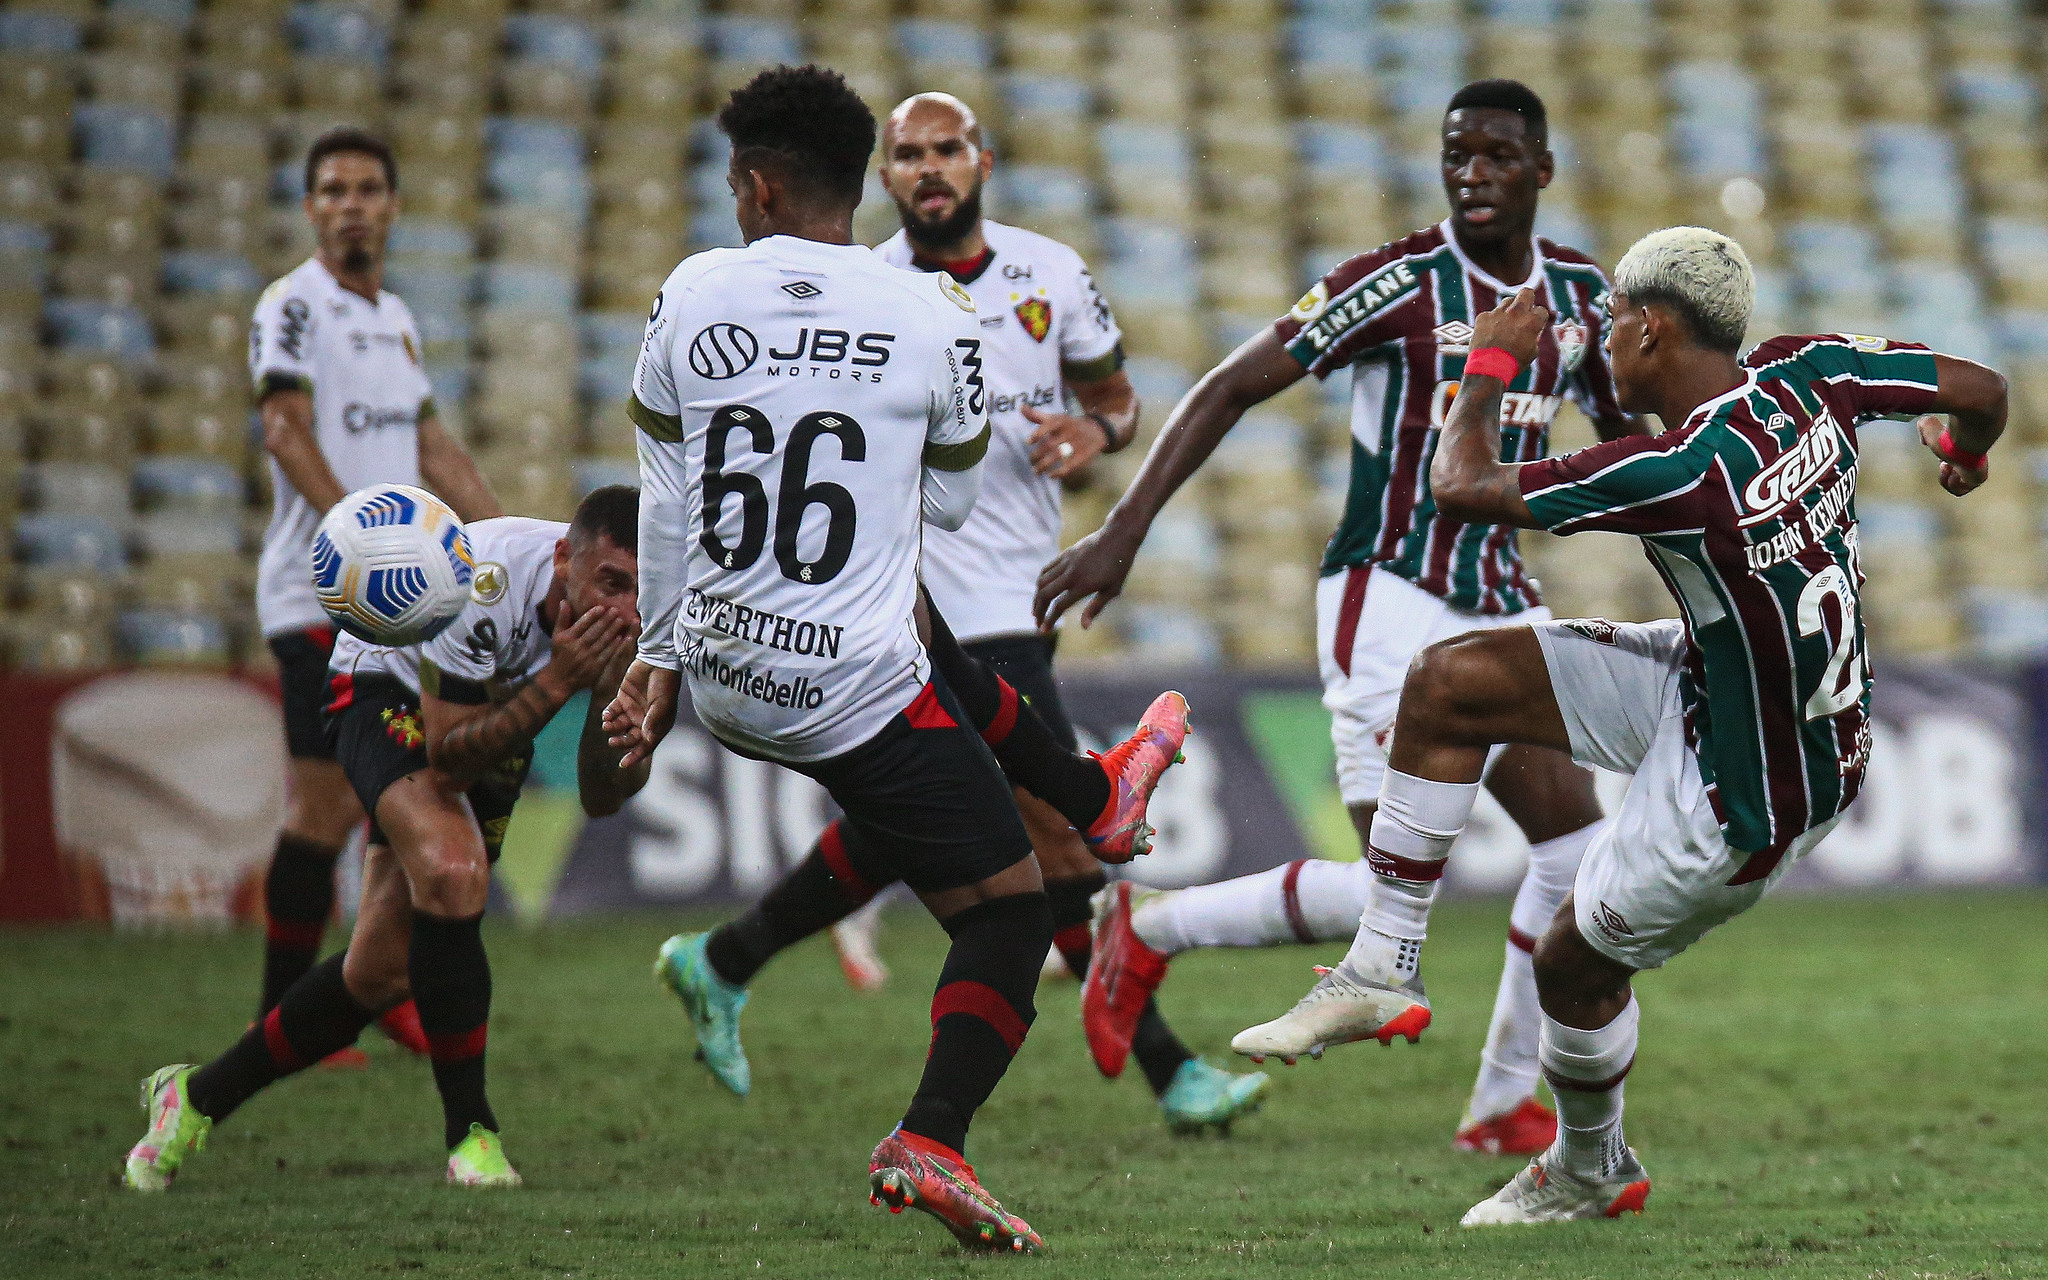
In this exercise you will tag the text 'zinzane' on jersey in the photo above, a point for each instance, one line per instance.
(722, 351)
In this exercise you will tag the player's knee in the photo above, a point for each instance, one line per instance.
(451, 878)
(1440, 692)
(1568, 968)
(376, 977)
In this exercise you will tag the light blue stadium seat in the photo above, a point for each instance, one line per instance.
(28, 30)
(1148, 262)
(188, 533)
(1145, 148)
(1335, 150)
(1834, 258)
(80, 324)
(26, 244)
(555, 40)
(450, 382)
(413, 237)
(742, 38)
(77, 488)
(1995, 92)
(187, 484)
(595, 473)
(332, 30)
(112, 136)
(198, 271)
(1160, 383)
(2015, 246)
(1914, 175)
(946, 44)
(1035, 93)
(52, 538)
(1333, 43)
(167, 637)
(606, 378)
(519, 286)
(177, 13)
(1043, 191)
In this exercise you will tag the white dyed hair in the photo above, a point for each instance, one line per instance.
(1701, 274)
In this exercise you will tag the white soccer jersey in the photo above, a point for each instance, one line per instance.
(361, 361)
(498, 642)
(788, 396)
(1038, 309)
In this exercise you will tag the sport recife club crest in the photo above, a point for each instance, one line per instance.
(1035, 314)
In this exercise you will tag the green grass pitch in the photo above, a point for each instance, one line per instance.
(1828, 1087)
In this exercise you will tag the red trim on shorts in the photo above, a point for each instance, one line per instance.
(1588, 1086)
(1006, 715)
(1347, 616)
(926, 712)
(281, 1051)
(299, 935)
(341, 689)
(1396, 867)
(1521, 941)
(1290, 898)
(832, 848)
(322, 635)
(458, 1046)
(979, 1000)
(1074, 938)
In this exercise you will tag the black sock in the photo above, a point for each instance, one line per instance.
(980, 1012)
(827, 886)
(316, 1017)
(1159, 1052)
(1030, 756)
(298, 897)
(451, 985)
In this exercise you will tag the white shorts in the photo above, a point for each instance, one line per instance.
(1370, 624)
(1656, 878)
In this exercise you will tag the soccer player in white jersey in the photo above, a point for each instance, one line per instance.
(345, 404)
(435, 740)
(1397, 574)
(802, 407)
(1745, 723)
(1047, 334)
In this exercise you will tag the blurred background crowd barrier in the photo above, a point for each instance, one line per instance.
(158, 819)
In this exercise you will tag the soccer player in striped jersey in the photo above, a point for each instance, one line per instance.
(1397, 573)
(1746, 724)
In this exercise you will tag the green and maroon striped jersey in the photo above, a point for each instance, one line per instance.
(1400, 318)
(1748, 511)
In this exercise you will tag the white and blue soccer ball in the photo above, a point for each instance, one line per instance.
(392, 564)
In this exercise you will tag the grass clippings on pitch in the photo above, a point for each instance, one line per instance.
(1828, 1087)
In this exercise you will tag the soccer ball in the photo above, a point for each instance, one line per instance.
(391, 564)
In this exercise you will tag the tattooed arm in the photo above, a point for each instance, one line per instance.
(464, 741)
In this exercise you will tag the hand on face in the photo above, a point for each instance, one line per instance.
(588, 645)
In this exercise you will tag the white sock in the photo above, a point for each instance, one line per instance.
(1589, 1141)
(1316, 897)
(1417, 822)
(1507, 1066)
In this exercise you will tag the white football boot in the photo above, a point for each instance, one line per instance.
(1545, 1192)
(855, 940)
(1338, 1010)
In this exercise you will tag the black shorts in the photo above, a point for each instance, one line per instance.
(302, 680)
(373, 728)
(1026, 662)
(924, 800)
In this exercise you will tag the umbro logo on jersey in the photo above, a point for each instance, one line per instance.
(802, 290)
(721, 351)
(1454, 338)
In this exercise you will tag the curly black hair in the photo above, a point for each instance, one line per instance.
(805, 122)
(347, 138)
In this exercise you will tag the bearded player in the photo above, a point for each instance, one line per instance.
(1047, 334)
(1745, 724)
(345, 403)
(1398, 574)
(435, 739)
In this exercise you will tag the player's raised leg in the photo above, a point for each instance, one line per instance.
(1442, 737)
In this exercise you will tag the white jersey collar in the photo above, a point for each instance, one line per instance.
(1535, 280)
(334, 284)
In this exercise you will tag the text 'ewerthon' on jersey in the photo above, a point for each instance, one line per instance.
(789, 396)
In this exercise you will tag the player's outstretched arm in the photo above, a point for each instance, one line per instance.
(1094, 568)
(467, 741)
(287, 414)
(1975, 399)
(451, 473)
(603, 783)
(1467, 477)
